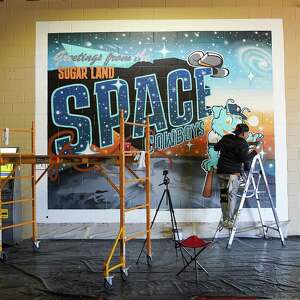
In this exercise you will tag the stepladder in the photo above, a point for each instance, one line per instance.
(253, 185)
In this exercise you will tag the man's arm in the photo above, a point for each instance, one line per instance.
(217, 146)
(243, 153)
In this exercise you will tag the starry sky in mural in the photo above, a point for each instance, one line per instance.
(247, 54)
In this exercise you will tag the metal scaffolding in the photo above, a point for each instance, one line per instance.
(122, 237)
(13, 175)
(53, 163)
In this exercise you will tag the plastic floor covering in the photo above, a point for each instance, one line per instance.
(72, 269)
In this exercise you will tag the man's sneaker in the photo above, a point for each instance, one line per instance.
(228, 224)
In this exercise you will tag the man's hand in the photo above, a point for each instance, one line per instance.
(252, 154)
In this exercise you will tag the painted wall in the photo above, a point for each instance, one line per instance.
(17, 55)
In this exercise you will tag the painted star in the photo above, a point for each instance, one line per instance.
(189, 144)
(262, 153)
(118, 84)
(164, 50)
(250, 76)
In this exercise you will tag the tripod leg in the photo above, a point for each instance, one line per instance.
(156, 212)
(174, 222)
(172, 214)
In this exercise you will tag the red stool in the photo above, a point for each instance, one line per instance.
(192, 242)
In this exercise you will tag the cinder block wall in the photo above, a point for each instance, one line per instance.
(17, 56)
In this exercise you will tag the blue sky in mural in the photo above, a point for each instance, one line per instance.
(247, 54)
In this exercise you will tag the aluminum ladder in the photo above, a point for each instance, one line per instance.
(252, 182)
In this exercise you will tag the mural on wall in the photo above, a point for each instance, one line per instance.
(196, 86)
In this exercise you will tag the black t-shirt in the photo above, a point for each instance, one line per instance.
(234, 151)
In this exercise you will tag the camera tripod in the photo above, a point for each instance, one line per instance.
(167, 194)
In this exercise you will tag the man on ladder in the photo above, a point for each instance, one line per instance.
(233, 152)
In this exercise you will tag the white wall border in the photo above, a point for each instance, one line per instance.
(45, 215)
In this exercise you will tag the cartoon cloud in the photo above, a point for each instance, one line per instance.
(208, 59)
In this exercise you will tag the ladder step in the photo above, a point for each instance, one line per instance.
(247, 195)
(130, 153)
(271, 227)
(115, 267)
(136, 235)
(136, 207)
(250, 193)
(135, 124)
(253, 191)
(135, 180)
